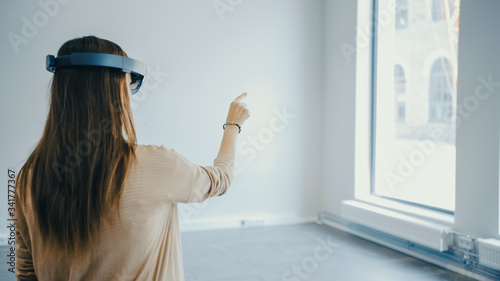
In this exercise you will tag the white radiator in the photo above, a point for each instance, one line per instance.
(488, 251)
(429, 234)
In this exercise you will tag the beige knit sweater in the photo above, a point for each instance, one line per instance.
(148, 246)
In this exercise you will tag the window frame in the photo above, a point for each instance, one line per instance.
(365, 128)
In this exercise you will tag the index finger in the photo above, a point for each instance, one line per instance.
(240, 97)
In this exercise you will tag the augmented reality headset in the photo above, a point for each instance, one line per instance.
(137, 69)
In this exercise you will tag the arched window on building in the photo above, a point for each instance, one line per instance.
(441, 89)
(399, 92)
(401, 14)
(437, 10)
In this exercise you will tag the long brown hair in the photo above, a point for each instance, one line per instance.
(76, 172)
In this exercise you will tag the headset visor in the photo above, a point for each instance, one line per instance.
(137, 69)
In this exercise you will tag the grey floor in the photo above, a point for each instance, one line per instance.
(291, 253)
(267, 253)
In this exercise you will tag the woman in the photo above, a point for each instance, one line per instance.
(91, 204)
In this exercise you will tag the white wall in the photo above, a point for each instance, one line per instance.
(339, 105)
(478, 137)
(271, 49)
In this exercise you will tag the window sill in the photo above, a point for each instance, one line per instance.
(413, 211)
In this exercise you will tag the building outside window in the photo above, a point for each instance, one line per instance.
(413, 133)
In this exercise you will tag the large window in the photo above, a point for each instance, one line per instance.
(413, 134)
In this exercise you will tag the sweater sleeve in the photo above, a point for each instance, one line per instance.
(187, 182)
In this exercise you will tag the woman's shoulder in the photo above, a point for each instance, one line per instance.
(159, 154)
(155, 151)
(151, 147)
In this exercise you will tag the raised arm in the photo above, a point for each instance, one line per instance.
(189, 182)
(217, 178)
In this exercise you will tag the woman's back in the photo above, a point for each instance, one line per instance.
(146, 244)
